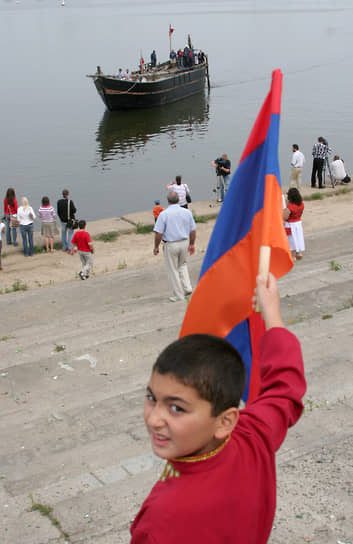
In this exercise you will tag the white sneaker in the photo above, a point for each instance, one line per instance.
(175, 299)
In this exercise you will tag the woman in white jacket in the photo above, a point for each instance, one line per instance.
(26, 216)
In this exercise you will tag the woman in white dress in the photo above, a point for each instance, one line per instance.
(292, 215)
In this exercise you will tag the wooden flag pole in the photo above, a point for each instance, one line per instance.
(264, 266)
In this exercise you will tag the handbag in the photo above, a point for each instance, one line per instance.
(288, 230)
(187, 196)
(72, 222)
(14, 222)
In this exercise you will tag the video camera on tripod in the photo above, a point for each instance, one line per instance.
(327, 164)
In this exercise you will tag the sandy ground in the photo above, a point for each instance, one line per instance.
(135, 250)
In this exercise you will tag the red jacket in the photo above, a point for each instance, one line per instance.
(13, 210)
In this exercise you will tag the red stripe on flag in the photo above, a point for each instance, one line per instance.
(272, 104)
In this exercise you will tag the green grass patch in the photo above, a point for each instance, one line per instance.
(107, 236)
(16, 286)
(343, 191)
(314, 196)
(47, 511)
(41, 249)
(19, 286)
(327, 316)
(59, 347)
(335, 266)
(143, 229)
(38, 249)
(321, 196)
(204, 218)
(8, 337)
(122, 266)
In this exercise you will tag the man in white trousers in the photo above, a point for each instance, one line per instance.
(176, 227)
(297, 164)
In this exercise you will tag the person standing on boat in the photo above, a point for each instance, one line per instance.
(180, 56)
(127, 75)
(153, 58)
(119, 75)
(172, 56)
(186, 56)
(222, 166)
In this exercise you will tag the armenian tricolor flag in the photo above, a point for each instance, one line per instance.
(250, 218)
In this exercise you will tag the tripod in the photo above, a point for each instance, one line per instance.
(219, 184)
(327, 165)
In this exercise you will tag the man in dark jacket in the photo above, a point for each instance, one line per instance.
(66, 210)
(153, 58)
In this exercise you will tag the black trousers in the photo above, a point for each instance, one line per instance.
(318, 166)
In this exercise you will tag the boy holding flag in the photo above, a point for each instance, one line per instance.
(219, 483)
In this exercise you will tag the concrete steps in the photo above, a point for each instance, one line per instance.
(71, 428)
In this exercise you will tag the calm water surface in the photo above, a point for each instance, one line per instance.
(55, 132)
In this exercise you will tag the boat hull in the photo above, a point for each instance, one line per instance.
(121, 95)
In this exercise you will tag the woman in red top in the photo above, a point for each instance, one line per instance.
(10, 208)
(292, 215)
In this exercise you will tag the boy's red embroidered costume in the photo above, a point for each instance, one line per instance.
(228, 496)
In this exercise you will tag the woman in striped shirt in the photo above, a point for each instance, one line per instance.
(47, 215)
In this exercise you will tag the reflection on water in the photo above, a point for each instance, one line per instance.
(122, 133)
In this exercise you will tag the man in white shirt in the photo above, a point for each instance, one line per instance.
(176, 227)
(338, 170)
(127, 75)
(297, 164)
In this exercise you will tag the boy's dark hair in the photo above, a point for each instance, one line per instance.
(178, 180)
(81, 224)
(45, 201)
(210, 365)
(294, 196)
(296, 146)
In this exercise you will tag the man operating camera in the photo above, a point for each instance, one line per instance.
(222, 166)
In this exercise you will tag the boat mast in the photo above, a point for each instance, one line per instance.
(171, 30)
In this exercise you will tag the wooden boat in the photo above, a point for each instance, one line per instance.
(152, 86)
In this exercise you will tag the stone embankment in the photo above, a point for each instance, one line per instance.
(75, 461)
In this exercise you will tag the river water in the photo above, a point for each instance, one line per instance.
(55, 132)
